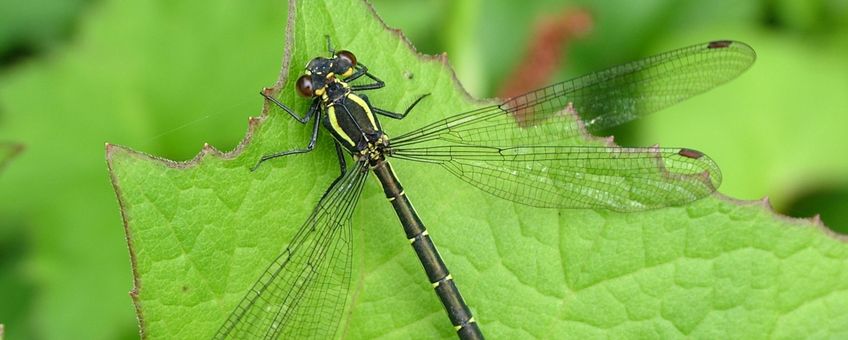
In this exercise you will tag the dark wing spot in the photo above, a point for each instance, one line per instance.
(719, 44)
(689, 153)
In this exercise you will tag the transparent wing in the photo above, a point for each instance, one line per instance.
(622, 179)
(519, 150)
(302, 293)
(602, 99)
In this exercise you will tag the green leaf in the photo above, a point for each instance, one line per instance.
(34, 25)
(202, 231)
(131, 72)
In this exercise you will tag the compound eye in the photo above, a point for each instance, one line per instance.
(347, 56)
(304, 86)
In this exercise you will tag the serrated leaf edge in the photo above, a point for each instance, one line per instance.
(255, 122)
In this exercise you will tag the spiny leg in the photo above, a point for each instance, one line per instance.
(360, 71)
(308, 148)
(378, 83)
(396, 115)
(312, 108)
(363, 71)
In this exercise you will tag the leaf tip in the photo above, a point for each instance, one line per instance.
(110, 152)
(109, 148)
(208, 149)
(816, 220)
(766, 203)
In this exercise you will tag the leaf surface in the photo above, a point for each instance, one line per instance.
(200, 232)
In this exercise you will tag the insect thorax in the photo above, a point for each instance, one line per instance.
(351, 121)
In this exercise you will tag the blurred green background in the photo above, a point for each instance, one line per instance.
(164, 77)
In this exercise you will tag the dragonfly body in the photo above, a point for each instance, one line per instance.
(519, 150)
(353, 124)
(351, 120)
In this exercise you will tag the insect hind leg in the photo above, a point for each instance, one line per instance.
(312, 108)
(396, 115)
(362, 70)
(309, 147)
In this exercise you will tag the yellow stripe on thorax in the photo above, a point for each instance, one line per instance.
(364, 107)
(334, 122)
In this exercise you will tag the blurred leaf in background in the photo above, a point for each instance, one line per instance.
(203, 231)
(7, 152)
(29, 28)
(167, 76)
(132, 72)
(792, 101)
(12, 243)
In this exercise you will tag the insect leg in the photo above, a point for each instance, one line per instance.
(396, 115)
(362, 70)
(312, 109)
(308, 148)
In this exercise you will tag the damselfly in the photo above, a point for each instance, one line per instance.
(512, 150)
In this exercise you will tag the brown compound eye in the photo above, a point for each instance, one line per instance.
(347, 56)
(304, 86)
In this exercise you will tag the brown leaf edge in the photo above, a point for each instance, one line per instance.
(254, 122)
